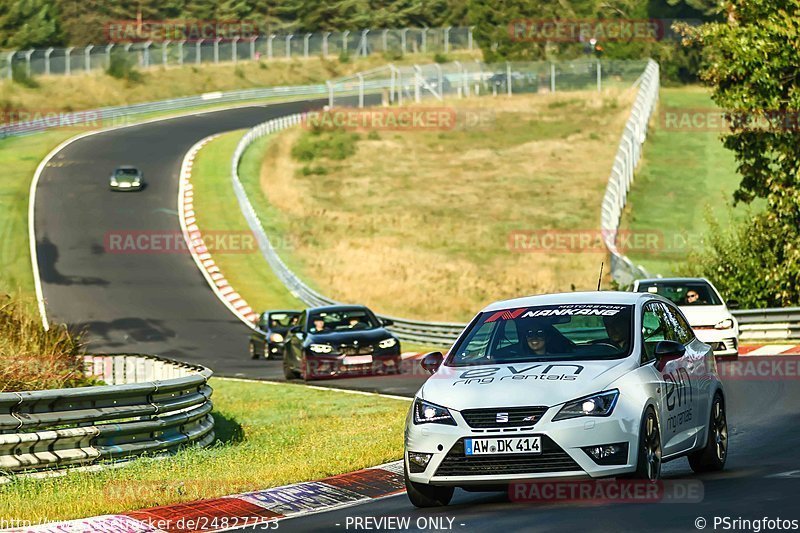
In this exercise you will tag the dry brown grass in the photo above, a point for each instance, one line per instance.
(417, 223)
(96, 89)
(32, 358)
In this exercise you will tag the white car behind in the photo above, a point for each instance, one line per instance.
(707, 312)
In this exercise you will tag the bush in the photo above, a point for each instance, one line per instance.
(122, 68)
(334, 144)
(344, 57)
(748, 262)
(440, 58)
(32, 358)
(19, 74)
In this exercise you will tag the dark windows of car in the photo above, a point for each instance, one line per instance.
(661, 322)
(547, 333)
(280, 320)
(126, 172)
(341, 320)
(683, 292)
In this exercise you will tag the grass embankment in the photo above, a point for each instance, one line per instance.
(97, 89)
(417, 223)
(268, 435)
(32, 358)
(685, 175)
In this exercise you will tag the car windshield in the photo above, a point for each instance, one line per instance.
(126, 172)
(282, 320)
(328, 321)
(547, 333)
(683, 292)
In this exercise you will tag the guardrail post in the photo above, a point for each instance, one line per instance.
(197, 52)
(325, 37)
(305, 45)
(360, 89)
(399, 87)
(417, 82)
(363, 44)
(447, 39)
(235, 49)
(392, 81)
(47, 54)
(460, 78)
(269, 45)
(552, 77)
(330, 92)
(345, 34)
(288, 45)
(216, 49)
(67, 60)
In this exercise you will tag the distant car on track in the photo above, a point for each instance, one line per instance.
(568, 385)
(269, 340)
(340, 339)
(126, 178)
(703, 306)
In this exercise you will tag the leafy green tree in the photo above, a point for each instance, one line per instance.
(752, 64)
(28, 24)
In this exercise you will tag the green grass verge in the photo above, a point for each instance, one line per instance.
(268, 435)
(218, 211)
(684, 176)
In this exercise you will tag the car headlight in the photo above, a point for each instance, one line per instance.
(430, 413)
(321, 348)
(114, 183)
(601, 404)
(724, 324)
(387, 343)
(276, 337)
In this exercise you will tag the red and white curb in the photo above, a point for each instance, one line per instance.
(767, 350)
(248, 509)
(197, 247)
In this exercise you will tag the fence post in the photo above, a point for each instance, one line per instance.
(330, 92)
(404, 40)
(345, 34)
(288, 45)
(235, 49)
(599, 78)
(180, 51)
(197, 51)
(216, 49)
(552, 77)
(385, 40)
(447, 39)
(508, 78)
(392, 81)
(269, 45)
(440, 80)
(253, 47)
(360, 89)
(67, 61)
(325, 43)
(399, 87)
(165, 53)
(305, 45)
(146, 54)
(364, 42)
(47, 54)
(469, 38)
(28, 55)
(425, 40)
(417, 81)
(460, 78)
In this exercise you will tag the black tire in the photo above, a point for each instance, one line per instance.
(288, 373)
(253, 350)
(712, 457)
(422, 495)
(648, 463)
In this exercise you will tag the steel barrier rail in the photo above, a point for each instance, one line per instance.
(768, 324)
(130, 417)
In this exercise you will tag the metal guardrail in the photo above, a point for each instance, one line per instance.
(768, 324)
(150, 405)
(628, 155)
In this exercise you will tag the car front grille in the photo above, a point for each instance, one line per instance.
(494, 417)
(357, 350)
(552, 459)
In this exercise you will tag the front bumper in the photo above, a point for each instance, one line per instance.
(131, 188)
(724, 342)
(333, 365)
(562, 453)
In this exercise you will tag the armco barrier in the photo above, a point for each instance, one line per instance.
(149, 405)
(768, 324)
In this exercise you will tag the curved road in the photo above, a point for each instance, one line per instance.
(160, 303)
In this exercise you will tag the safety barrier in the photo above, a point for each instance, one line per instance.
(149, 405)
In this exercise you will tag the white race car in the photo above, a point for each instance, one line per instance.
(570, 385)
(703, 306)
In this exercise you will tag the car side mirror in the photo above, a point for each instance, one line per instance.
(432, 361)
(668, 351)
(732, 304)
(387, 322)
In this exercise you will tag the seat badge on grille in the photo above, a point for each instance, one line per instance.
(502, 418)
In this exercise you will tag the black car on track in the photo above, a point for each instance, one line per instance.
(338, 340)
(271, 336)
